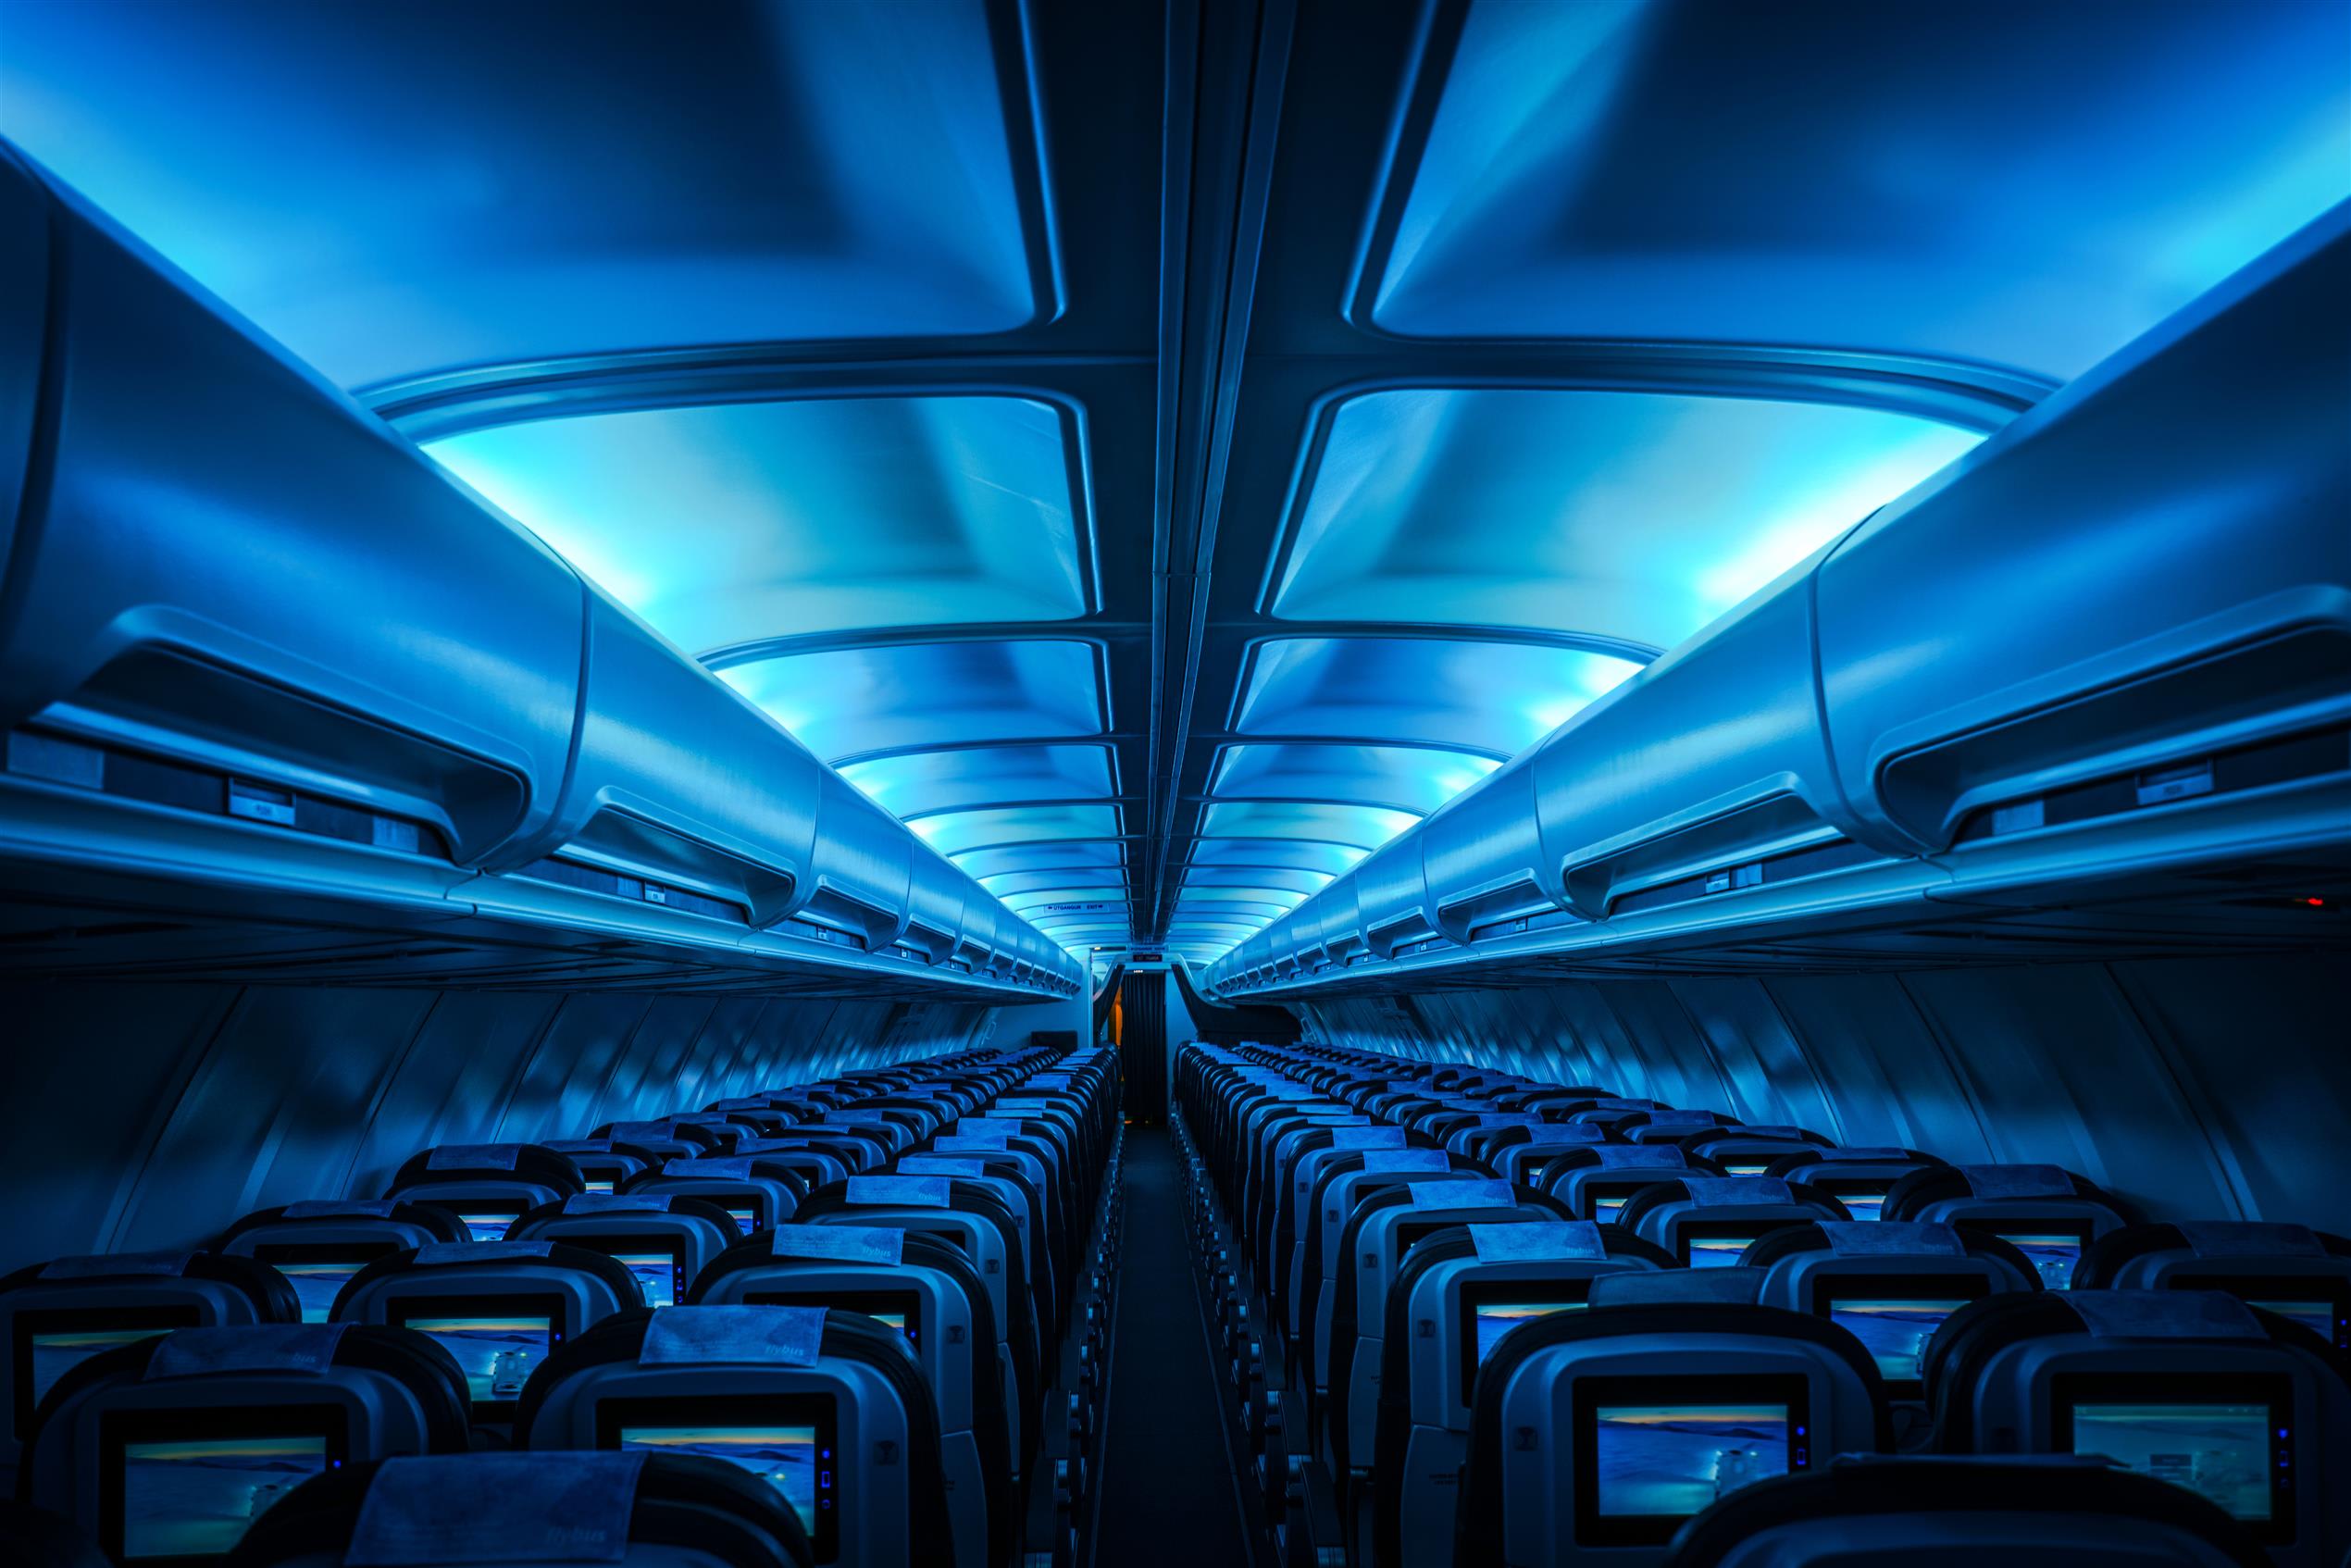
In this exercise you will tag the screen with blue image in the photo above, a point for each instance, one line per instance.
(53, 1342)
(188, 1484)
(318, 1270)
(1862, 1199)
(1720, 1245)
(900, 1310)
(2321, 1303)
(2217, 1451)
(1894, 1320)
(2226, 1437)
(596, 1184)
(1652, 1452)
(2053, 1248)
(1490, 1309)
(784, 1439)
(497, 1341)
(746, 1217)
(657, 1261)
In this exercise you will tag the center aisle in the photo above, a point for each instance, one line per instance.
(1167, 1481)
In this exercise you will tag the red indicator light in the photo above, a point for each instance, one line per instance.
(2316, 904)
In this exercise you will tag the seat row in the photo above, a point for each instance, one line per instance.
(1473, 1318)
(884, 1297)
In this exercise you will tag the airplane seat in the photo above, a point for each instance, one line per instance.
(318, 1245)
(170, 1447)
(725, 1131)
(603, 1164)
(755, 1191)
(663, 1239)
(1892, 1283)
(36, 1537)
(1457, 1294)
(637, 1509)
(2192, 1387)
(1053, 1256)
(925, 1288)
(1752, 1150)
(1515, 1151)
(1291, 1193)
(488, 1186)
(1315, 1264)
(658, 1141)
(1937, 1511)
(895, 1136)
(976, 1222)
(1032, 1256)
(499, 1308)
(815, 1158)
(825, 1407)
(1598, 1179)
(1709, 1221)
(1378, 1239)
(2288, 1269)
(55, 1316)
(1594, 1434)
(1859, 1177)
(2046, 1212)
(1679, 1126)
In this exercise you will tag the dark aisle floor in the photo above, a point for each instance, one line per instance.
(1167, 1488)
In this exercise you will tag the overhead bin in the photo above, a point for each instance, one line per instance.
(862, 870)
(1707, 773)
(224, 564)
(680, 783)
(2110, 645)
(937, 893)
(250, 636)
(1481, 857)
(1391, 897)
(2139, 581)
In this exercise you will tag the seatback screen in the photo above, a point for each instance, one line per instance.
(1651, 1451)
(902, 1309)
(1862, 1199)
(657, 1263)
(596, 1184)
(2321, 1303)
(1490, 1309)
(318, 1270)
(2226, 1438)
(497, 1341)
(2053, 1248)
(746, 1217)
(787, 1441)
(52, 1342)
(184, 1486)
(1893, 1319)
(1718, 1245)
(485, 1219)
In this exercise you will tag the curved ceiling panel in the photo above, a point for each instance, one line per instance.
(1290, 854)
(1075, 881)
(2035, 189)
(987, 866)
(1290, 883)
(470, 185)
(1367, 828)
(926, 695)
(1059, 900)
(1495, 697)
(930, 781)
(1417, 779)
(729, 524)
(956, 833)
(1635, 516)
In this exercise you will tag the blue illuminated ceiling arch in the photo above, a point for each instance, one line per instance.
(1454, 216)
